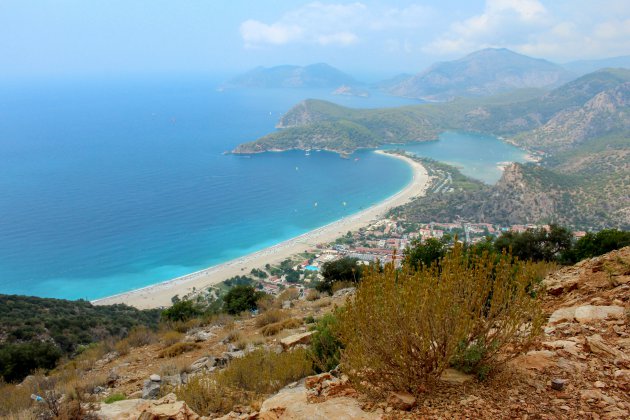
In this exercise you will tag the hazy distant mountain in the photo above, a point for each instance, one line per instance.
(588, 66)
(482, 73)
(391, 82)
(313, 76)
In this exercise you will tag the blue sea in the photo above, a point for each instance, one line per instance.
(111, 185)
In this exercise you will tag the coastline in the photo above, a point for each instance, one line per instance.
(159, 295)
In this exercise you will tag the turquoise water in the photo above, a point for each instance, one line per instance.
(476, 155)
(108, 186)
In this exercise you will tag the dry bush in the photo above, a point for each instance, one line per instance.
(270, 316)
(338, 285)
(177, 349)
(168, 338)
(123, 347)
(246, 341)
(90, 354)
(275, 328)
(205, 396)
(405, 327)
(292, 293)
(265, 303)
(266, 372)
(175, 367)
(325, 301)
(141, 336)
(181, 326)
(245, 381)
(234, 336)
(312, 295)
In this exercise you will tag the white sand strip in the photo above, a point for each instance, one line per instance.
(159, 295)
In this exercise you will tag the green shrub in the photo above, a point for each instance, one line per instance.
(19, 360)
(114, 397)
(241, 298)
(594, 244)
(424, 254)
(405, 327)
(325, 348)
(182, 310)
(342, 270)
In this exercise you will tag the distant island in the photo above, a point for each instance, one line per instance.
(346, 90)
(319, 75)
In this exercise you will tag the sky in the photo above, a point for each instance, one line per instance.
(41, 38)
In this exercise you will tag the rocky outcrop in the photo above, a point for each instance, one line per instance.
(291, 403)
(296, 339)
(167, 408)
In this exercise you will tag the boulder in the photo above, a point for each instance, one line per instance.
(536, 360)
(596, 345)
(174, 380)
(120, 410)
(229, 355)
(295, 339)
(199, 336)
(162, 409)
(155, 377)
(566, 345)
(168, 408)
(348, 291)
(562, 314)
(589, 313)
(401, 401)
(112, 377)
(150, 389)
(206, 362)
(290, 403)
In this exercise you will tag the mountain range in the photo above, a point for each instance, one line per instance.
(486, 72)
(582, 129)
(482, 73)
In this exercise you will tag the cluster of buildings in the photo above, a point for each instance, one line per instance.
(385, 241)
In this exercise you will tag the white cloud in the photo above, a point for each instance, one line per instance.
(500, 21)
(254, 32)
(328, 24)
(564, 30)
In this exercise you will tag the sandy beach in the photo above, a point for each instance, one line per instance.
(159, 295)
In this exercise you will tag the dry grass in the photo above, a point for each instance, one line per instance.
(312, 295)
(175, 367)
(181, 326)
(292, 293)
(234, 336)
(246, 381)
(168, 338)
(271, 316)
(275, 328)
(14, 400)
(177, 349)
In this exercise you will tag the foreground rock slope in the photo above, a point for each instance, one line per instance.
(579, 369)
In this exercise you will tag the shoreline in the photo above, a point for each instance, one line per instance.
(159, 295)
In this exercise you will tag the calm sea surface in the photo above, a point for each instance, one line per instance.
(114, 185)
